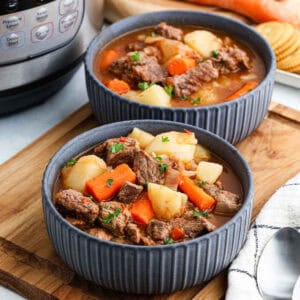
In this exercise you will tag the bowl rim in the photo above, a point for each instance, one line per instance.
(47, 194)
(92, 50)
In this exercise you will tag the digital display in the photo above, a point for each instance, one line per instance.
(11, 6)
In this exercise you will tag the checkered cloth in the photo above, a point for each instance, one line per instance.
(282, 210)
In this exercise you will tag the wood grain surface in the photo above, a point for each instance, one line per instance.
(28, 263)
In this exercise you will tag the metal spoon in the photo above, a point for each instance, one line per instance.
(279, 265)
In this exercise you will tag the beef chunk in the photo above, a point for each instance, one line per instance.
(209, 226)
(133, 232)
(136, 46)
(191, 226)
(147, 168)
(158, 230)
(112, 220)
(191, 81)
(153, 51)
(114, 156)
(227, 203)
(232, 60)
(81, 224)
(172, 179)
(75, 204)
(148, 50)
(144, 69)
(129, 192)
(99, 233)
(169, 31)
(147, 241)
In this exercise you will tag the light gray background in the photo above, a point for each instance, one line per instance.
(19, 130)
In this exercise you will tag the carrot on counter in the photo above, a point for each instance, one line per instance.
(118, 86)
(258, 10)
(177, 234)
(179, 66)
(141, 210)
(196, 194)
(108, 184)
(108, 57)
(242, 91)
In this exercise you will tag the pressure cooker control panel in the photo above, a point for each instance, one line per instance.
(29, 28)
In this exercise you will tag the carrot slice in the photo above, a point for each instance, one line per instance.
(196, 194)
(242, 91)
(108, 184)
(177, 233)
(177, 66)
(141, 210)
(118, 86)
(107, 58)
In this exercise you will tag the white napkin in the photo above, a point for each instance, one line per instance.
(282, 209)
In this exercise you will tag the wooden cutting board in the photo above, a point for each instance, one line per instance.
(28, 263)
(118, 9)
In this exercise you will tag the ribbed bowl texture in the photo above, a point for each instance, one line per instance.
(233, 120)
(147, 269)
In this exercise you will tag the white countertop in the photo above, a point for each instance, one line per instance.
(19, 130)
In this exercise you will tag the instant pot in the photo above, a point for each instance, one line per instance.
(41, 45)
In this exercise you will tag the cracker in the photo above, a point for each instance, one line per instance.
(291, 43)
(289, 50)
(272, 31)
(290, 61)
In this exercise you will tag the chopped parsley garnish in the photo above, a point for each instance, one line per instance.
(184, 98)
(158, 158)
(169, 90)
(135, 56)
(109, 182)
(153, 34)
(165, 139)
(201, 183)
(163, 168)
(92, 198)
(169, 241)
(115, 148)
(199, 213)
(196, 101)
(215, 53)
(71, 162)
(143, 85)
(111, 216)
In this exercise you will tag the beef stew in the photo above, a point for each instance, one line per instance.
(178, 67)
(147, 190)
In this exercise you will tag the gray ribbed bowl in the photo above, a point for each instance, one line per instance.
(232, 120)
(147, 269)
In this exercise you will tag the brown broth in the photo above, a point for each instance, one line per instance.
(221, 88)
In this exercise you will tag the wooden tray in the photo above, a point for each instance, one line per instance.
(28, 263)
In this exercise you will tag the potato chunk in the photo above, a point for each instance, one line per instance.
(86, 168)
(144, 138)
(204, 42)
(178, 145)
(201, 153)
(208, 171)
(166, 203)
(154, 95)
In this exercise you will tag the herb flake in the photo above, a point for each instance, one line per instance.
(201, 183)
(163, 168)
(143, 85)
(111, 216)
(71, 162)
(135, 56)
(169, 241)
(215, 53)
(200, 213)
(109, 182)
(153, 34)
(115, 148)
(165, 139)
(196, 101)
(158, 158)
(169, 90)
(184, 98)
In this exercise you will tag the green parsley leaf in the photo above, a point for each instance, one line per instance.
(215, 53)
(111, 216)
(169, 241)
(184, 98)
(153, 34)
(115, 148)
(165, 139)
(109, 182)
(71, 162)
(196, 101)
(199, 213)
(158, 158)
(143, 85)
(169, 90)
(163, 168)
(135, 56)
(201, 183)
